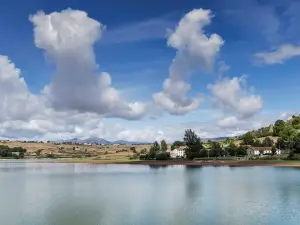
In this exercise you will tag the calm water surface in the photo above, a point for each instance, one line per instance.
(82, 194)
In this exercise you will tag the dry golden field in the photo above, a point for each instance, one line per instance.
(73, 151)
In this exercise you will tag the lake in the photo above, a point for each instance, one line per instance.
(84, 194)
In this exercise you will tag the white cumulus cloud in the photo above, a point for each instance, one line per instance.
(195, 50)
(16, 102)
(231, 95)
(278, 56)
(68, 37)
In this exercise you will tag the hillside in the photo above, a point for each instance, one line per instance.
(283, 134)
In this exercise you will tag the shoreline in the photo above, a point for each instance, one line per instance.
(191, 163)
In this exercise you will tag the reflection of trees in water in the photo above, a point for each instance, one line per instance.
(289, 191)
(192, 181)
(158, 166)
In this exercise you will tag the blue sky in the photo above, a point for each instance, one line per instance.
(133, 50)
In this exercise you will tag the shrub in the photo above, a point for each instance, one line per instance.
(143, 151)
(21, 155)
(203, 153)
(162, 156)
(134, 156)
(133, 149)
(16, 156)
(143, 156)
(192, 155)
(50, 155)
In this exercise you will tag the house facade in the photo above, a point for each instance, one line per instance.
(178, 152)
(261, 151)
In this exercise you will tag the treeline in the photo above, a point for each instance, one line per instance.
(193, 148)
(157, 151)
(288, 133)
(15, 152)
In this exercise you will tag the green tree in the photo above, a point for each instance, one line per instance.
(278, 127)
(215, 145)
(296, 121)
(164, 146)
(273, 150)
(21, 155)
(257, 143)
(143, 151)
(178, 143)
(279, 143)
(297, 143)
(267, 142)
(288, 133)
(155, 148)
(133, 149)
(162, 156)
(232, 149)
(241, 151)
(193, 143)
(248, 138)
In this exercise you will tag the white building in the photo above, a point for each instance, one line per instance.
(177, 153)
(261, 150)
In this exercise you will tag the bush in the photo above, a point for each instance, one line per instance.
(21, 155)
(192, 155)
(133, 149)
(143, 156)
(134, 156)
(293, 156)
(50, 156)
(143, 151)
(162, 156)
(203, 153)
(16, 156)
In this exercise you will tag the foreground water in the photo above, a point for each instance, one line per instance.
(83, 194)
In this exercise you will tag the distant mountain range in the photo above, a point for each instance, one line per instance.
(95, 140)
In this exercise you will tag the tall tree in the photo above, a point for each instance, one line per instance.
(267, 142)
(193, 143)
(163, 146)
(155, 148)
(215, 145)
(278, 127)
(232, 149)
(248, 138)
(257, 143)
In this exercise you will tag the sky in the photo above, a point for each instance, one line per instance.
(146, 70)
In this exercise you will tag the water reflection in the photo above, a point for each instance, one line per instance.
(134, 194)
(158, 166)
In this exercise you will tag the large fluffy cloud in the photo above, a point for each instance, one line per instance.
(68, 38)
(278, 56)
(16, 102)
(231, 95)
(78, 98)
(40, 122)
(194, 50)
